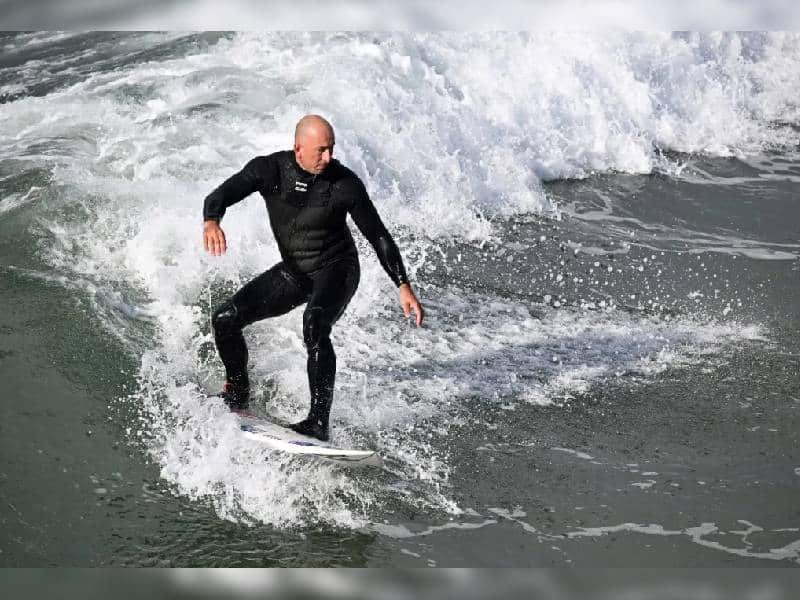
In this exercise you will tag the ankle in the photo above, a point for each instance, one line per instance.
(236, 387)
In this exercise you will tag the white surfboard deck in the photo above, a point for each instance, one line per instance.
(281, 438)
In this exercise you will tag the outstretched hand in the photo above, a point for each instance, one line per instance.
(409, 302)
(214, 238)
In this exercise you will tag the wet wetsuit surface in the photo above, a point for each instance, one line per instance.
(308, 213)
(320, 267)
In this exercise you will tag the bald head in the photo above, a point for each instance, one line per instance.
(312, 125)
(313, 143)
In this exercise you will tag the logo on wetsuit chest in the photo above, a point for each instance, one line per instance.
(300, 186)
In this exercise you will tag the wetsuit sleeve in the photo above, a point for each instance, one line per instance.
(366, 218)
(237, 187)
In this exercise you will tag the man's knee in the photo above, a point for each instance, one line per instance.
(224, 320)
(316, 328)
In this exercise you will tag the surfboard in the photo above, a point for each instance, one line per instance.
(284, 439)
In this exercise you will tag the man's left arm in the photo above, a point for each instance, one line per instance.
(366, 218)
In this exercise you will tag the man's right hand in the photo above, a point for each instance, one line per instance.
(214, 238)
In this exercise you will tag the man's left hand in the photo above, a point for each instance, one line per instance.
(409, 302)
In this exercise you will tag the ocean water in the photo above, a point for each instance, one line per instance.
(603, 230)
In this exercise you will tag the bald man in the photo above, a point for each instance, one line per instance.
(308, 196)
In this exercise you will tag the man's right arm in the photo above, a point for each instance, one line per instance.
(235, 188)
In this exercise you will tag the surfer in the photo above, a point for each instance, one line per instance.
(308, 195)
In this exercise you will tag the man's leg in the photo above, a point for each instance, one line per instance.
(332, 290)
(274, 292)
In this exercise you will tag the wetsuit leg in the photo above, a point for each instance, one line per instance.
(332, 289)
(274, 292)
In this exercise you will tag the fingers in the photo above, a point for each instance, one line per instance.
(214, 242)
(409, 302)
(414, 305)
(221, 245)
(418, 312)
(211, 245)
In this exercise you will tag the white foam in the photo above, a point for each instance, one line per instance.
(577, 453)
(18, 200)
(699, 534)
(441, 126)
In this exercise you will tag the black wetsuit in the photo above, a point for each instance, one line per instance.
(308, 216)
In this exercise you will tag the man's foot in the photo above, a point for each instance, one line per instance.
(311, 428)
(237, 399)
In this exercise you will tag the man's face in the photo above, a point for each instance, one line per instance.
(314, 149)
